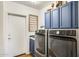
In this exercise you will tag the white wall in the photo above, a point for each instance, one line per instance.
(1, 30)
(12, 7)
(42, 16)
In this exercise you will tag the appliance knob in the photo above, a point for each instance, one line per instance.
(57, 32)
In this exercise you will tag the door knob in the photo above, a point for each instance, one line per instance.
(9, 38)
(9, 35)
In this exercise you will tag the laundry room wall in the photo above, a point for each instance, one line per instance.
(42, 16)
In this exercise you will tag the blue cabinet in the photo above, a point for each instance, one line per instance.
(55, 18)
(74, 14)
(32, 46)
(65, 16)
(47, 20)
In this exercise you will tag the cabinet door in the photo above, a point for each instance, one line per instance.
(31, 46)
(74, 14)
(55, 18)
(65, 16)
(47, 20)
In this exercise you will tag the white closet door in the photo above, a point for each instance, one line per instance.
(16, 35)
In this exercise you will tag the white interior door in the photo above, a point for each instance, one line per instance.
(16, 35)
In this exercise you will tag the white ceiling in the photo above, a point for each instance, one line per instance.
(36, 5)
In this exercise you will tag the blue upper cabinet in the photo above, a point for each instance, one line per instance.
(55, 18)
(47, 20)
(65, 16)
(74, 14)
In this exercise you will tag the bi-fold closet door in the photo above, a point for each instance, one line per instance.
(16, 35)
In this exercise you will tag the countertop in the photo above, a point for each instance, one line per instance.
(32, 37)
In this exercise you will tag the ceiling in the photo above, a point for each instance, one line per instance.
(36, 5)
